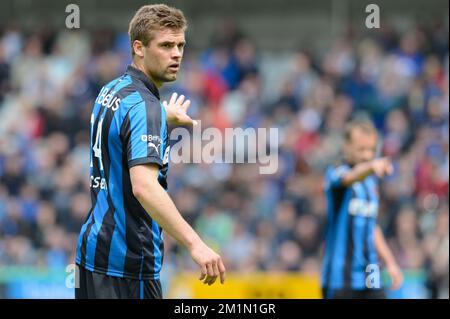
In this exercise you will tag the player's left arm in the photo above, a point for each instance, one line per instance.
(387, 256)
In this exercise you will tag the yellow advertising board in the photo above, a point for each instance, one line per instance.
(253, 285)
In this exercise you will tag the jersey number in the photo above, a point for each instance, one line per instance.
(97, 148)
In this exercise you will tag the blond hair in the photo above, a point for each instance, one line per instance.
(364, 125)
(151, 18)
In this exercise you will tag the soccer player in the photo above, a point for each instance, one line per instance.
(354, 241)
(120, 248)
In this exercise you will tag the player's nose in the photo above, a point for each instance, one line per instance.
(367, 156)
(176, 54)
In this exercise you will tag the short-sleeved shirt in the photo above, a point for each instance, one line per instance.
(350, 254)
(128, 128)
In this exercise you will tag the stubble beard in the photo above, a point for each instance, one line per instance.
(165, 77)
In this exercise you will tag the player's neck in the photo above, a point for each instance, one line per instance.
(140, 67)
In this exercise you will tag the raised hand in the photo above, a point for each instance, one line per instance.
(176, 110)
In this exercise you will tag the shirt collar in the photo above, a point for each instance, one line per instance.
(131, 70)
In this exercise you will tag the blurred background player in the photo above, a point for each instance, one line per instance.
(120, 248)
(354, 241)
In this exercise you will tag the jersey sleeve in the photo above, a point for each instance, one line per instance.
(334, 175)
(142, 134)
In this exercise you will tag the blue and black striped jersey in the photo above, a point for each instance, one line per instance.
(128, 128)
(351, 221)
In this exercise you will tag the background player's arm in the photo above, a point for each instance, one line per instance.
(380, 167)
(386, 255)
(157, 203)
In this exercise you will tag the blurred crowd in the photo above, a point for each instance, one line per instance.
(49, 80)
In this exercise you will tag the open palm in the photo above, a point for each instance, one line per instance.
(176, 110)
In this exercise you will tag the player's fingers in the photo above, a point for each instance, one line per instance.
(390, 169)
(222, 271)
(186, 105)
(395, 286)
(203, 273)
(212, 280)
(387, 163)
(210, 273)
(381, 170)
(398, 281)
(209, 269)
(395, 283)
(180, 100)
(173, 98)
(164, 103)
(206, 276)
(377, 171)
(216, 272)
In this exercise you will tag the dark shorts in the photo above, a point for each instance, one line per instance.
(98, 286)
(353, 294)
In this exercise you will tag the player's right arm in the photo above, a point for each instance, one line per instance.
(144, 159)
(157, 203)
(379, 166)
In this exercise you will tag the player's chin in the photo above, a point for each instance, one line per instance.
(170, 77)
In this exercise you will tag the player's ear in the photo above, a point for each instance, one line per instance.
(138, 48)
